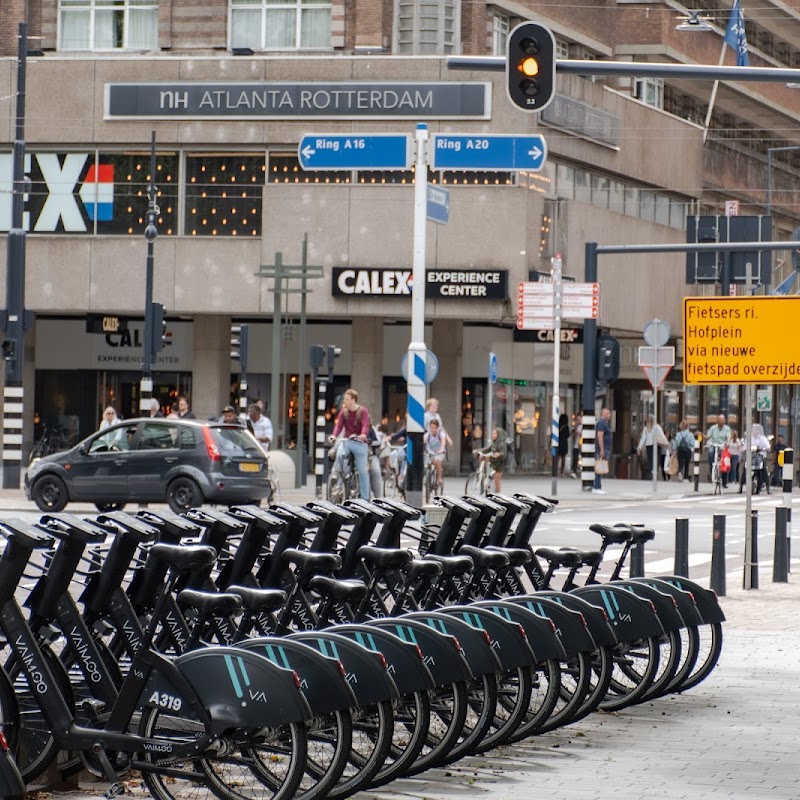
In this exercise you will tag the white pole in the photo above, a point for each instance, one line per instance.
(556, 368)
(489, 398)
(416, 367)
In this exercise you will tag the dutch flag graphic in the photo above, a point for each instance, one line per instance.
(97, 192)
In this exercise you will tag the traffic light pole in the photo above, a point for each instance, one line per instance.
(150, 234)
(16, 319)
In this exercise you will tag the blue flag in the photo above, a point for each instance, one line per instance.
(786, 286)
(735, 36)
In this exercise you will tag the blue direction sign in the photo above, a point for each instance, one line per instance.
(438, 204)
(459, 151)
(379, 151)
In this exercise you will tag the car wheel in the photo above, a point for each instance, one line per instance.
(104, 508)
(183, 494)
(50, 493)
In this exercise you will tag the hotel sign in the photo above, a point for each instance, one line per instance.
(240, 100)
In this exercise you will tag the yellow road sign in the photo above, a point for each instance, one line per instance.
(741, 340)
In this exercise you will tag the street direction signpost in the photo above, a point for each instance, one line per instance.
(462, 151)
(375, 151)
(535, 303)
(438, 209)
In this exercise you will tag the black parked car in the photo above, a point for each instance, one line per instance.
(183, 462)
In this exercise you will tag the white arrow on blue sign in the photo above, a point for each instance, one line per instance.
(379, 151)
(459, 151)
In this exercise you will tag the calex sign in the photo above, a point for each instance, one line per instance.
(68, 192)
(484, 284)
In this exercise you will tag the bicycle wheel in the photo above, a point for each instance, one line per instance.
(372, 737)
(329, 740)
(430, 484)
(9, 712)
(390, 484)
(269, 768)
(448, 710)
(669, 658)
(473, 485)
(575, 673)
(514, 690)
(412, 715)
(481, 706)
(716, 479)
(547, 678)
(336, 488)
(635, 665)
(708, 653)
(602, 667)
(690, 648)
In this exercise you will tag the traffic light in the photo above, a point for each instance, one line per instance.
(160, 334)
(239, 342)
(531, 66)
(9, 349)
(333, 353)
(316, 357)
(607, 358)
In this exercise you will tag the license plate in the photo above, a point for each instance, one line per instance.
(249, 466)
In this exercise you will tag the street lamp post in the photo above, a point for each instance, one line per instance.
(150, 234)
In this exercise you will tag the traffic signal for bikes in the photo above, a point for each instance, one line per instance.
(333, 353)
(239, 342)
(607, 358)
(531, 66)
(161, 335)
(316, 357)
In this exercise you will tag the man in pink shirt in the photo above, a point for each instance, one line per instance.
(353, 421)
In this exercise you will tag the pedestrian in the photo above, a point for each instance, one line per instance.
(109, 418)
(651, 439)
(432, 413)
(353, 424)
(778, 446)
(155, 408)
(684, 447)
(563, 442)
(497, 451)
(759, 447)
(229, 416)
(735, 446)
(184, 412)
(577, 431)
(173, 411)
(603, 446)
(716, 438)
(261, 425)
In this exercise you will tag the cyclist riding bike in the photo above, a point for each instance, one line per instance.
(716, 438)
(436, 448)
(353, 424)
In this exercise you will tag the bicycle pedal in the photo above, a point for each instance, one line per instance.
(114, 790)
(94, 708)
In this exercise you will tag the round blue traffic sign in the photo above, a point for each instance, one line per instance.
(493, 367)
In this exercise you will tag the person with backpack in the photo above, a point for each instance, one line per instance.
(497, 450)
(353, 425)
(684, 447)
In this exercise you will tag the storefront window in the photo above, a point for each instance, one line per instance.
(224, 195)
(285, 168)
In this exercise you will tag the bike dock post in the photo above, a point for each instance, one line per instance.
(718, 556)
(682, 547)
(751, 568)
(780, 566)
(637, 560)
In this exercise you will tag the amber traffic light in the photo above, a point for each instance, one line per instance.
(530, 66)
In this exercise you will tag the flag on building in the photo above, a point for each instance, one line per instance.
(97, 192)
(735, 36)
(786, 286)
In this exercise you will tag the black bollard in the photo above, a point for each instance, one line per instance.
(682, 547)
(718, 556)
(637, 560)
(753, 565)
(780, 564)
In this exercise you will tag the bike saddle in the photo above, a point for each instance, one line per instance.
(258, 600)
(612, 534)
(385, 557)
(308, 560)
(559, 558)
(210, 602)
(452, 565)
(341, 591)
(423, 568)
(183, 558)
(485, 558)
(517, 556)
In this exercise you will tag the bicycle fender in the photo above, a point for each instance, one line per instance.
(321, 677)
(539, 629)
(595, 616)
(241, 689)
(570, 626)
(365, 671)
(12, 787)
(442, 653)
(666, 605)
(632, 617)
(405, 660)
(707, 601)
(687, 605)
(509, 641)
(476, 644)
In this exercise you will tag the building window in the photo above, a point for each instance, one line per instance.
(108, 25)
(562, 48)
(285, 168)
(224, 195)
(281, 24)
(428, 27)
(500, 28)
(650, 91)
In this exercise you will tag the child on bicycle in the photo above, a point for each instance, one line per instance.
(435, 441)
(497, 453)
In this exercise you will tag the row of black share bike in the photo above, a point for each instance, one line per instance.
(315, 651)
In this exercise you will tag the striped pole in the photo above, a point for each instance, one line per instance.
(788, 481)
(243, 399)
(415, 421)
(587, 450)
(319, 437)
(12, 430)
(696, 465)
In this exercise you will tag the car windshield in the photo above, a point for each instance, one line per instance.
(234, 440)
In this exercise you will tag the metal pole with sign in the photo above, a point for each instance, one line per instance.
(556, 370)
(489, 422)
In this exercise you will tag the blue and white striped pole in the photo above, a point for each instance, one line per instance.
(319, 436)
(556, 272)
(415, 411)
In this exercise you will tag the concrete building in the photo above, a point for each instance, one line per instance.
(230, 89)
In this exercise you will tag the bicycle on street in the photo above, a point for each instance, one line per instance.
(394, 479)
(716, 472)
(343, 482)
(480, 482)
(433, 486)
